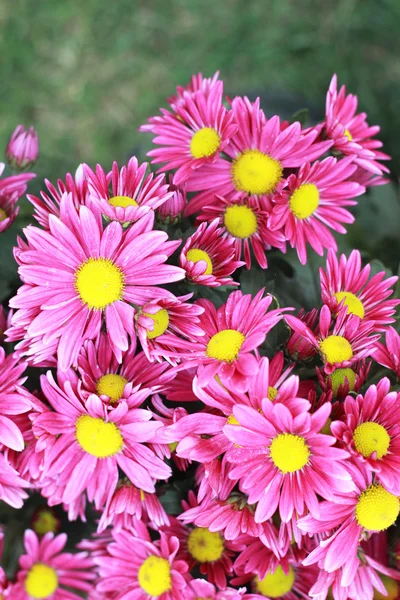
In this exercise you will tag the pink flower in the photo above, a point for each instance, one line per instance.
(11, 190)
(23, 148)
(312, 201)
(47, 572)
(208, 256)
(194, 134)
(258, 153)
(389, 355)
(272, 446)
(350, 132)
(245, 222)
(172, 209)
(135, 567)
(125, 194)
(81, 275)
(344, 281)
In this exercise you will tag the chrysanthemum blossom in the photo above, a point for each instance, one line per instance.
(350, 131)
(340, 343)
(313, 202)
(257, 155)
(283, 461)
(80, 275)
(370, 432)
(245, 222)
(208, 256)
(194, 134)
(48, 572)
(172, 209)
(125, 194)
(11, 190)
(346, 283)
(389, 355)
(23, 148)
(135, 567)
(87, 443)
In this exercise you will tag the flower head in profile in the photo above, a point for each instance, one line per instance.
(389, 355)
(11, 190)
(23, 148)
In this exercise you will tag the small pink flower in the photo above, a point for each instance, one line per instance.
(23, 148)
(11, 190)
(389, 355)
(172, 209)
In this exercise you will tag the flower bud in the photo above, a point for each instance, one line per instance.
(23, 148)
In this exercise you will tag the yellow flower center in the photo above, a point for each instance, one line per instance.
(205, 546)
(335, 349)
(289, 452)
(205, 142)
(276, 584)
(3, 215)
(232, 420)
(161, 322)
(339, 377)
(41, 581)
(122, 201)
(371, 437)
(195, 255)
(98, 438)
(392, 588)
(111, 385)
(348, 135)
(254, 172)
(304, 201)
(99, 282)
(225, 345)
(240, 221)
(354, 305)
(272, 393)
(154, 576)
(45, 522)
(376, 508)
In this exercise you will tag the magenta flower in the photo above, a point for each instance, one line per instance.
(389, 355)
(11, 190)
(345, 283)
(312, 202)
(172, 209)
(350, 132)
(81, 275)
(47, 572)
(258, 153)
(23, 148)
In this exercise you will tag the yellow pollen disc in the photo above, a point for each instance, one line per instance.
(254, 172)
(99, 282)
(41, 581)
(122, 201)
(232, 420)
(348, 135)
(3, 215)
(376, 508)
(45, 522)
(240, 221)
(161, 322)
(205, 142)
(339, 377)
(335, 349)
(354, 305)
(111, 385)
(326, 430)
(154, 576)
(276, 584)
(272, 393)
(371, 437)
(98, 438)
(225, 345)
(205, 546)
(194, 254)
(289, 452)
(304, 201)
(392, 588)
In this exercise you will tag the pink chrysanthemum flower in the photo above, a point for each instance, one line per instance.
(11, 190)
(125, 194)
(350, 132)
(283, 461)
(343, 381)
(47, 572)
(23, 148)
(370, 432)
(368, 179)
(245, 222)
(312, 202)
(81, 275)
(345, 281)
(161, 324)
(135, 567)
(86, 443)
(200, 588)
(340, 343)
(258, 153)
(389, 355)
(232, 333)
(194, 134)
(208, 256)
(49, 203)
(172, 209)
